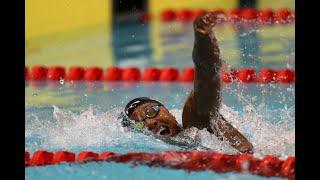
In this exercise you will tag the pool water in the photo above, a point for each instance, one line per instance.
(77, 116)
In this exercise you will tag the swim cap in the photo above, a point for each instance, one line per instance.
(133, 104)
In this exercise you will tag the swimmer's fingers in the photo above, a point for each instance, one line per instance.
(206, 22)
(246, 147)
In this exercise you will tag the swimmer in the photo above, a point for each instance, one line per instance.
(201, 108)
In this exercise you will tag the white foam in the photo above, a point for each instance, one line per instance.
(88, 129)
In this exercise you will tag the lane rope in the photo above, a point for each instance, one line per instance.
(153, 74)
(261, 16)
(268, 166)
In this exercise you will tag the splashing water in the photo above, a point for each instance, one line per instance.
(103, 131)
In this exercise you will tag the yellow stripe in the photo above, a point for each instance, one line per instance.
(275, 4)
(272, 38)
(45, 17)
(68, 32)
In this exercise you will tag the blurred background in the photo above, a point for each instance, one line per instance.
(107, 33)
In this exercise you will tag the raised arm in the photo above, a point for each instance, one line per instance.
(207, 61)
(201, 108)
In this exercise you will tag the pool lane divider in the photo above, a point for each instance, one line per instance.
(153, 74)
(262, 16)
(268, 166)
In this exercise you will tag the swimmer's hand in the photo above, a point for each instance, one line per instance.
(227, 132)
(206, 22)
(206, 53)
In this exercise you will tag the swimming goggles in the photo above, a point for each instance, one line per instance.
(149, 112)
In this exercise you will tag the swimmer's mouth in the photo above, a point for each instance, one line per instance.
(164, 131)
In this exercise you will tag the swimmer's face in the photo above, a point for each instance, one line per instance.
(163, 122)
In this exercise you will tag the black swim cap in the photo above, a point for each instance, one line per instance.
(133, 104)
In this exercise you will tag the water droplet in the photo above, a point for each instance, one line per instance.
(61, 81)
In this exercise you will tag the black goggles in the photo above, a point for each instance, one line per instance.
(151, 111)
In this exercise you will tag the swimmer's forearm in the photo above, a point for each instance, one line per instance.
(206, 54)
(232, 135)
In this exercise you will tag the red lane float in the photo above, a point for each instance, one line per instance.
(151, 74)
(26, 73)
(265, 16)
(286, 76)
(56, 73)
(246, 163)
(93, 74)
(267, 76)
(112, 74)
(87, 156)
(225, 76)
(75, 73)
(131, 74)
(38, 73)
(268, 166)
(26, 158)
(288, 168)
(223, 163)
(167, 74)
(187, 75)
(235, 14)
(105, 155)
(63, 156)
(234, 73)
(284, 16)
(247, 75)
(168, 15)
(249, 14)
(184, 15)
(40, 158)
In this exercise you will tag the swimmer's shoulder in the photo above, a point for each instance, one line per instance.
(191, 117)
(188, 108)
